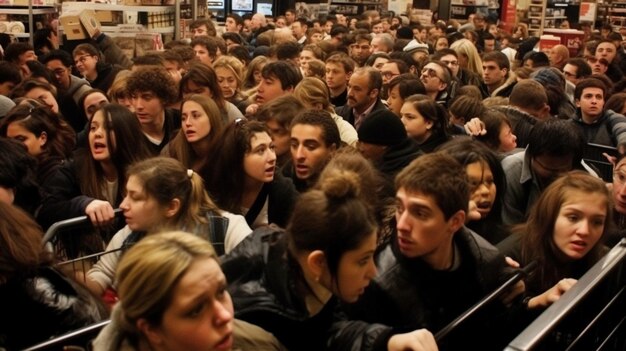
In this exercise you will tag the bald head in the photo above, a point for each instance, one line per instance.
(559, 54)
(258, 21)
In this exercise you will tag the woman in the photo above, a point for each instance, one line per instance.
(89, 63)
(468, 56)
(173, 297)
(499, 136)
(201, 125)
(290, 282)
(92, 184)
(562, 234)
(201, 79)
(253, 72)
(400, 88)
(38, 90)
(18, 176)
(425, 121)
(46, 137)
(487, 185)
(118, 92)
(229, 71)
(441, 42)
(162, 195)
(619, 202)
(37, 301)
(241, 175)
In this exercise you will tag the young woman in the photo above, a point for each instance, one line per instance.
(468, 56)
(38, 90)
(562, 234)
(425, 121)
(487, 185)
(241, 175)
(37, 301)
(400, 88)
(229, 71)
(47, 138)
(499, 136)
(163, 195)
(201, 79)
(92, 183)
(118, 92)
(253, 72)
(290, 282)
(201, 125)
(173, 297)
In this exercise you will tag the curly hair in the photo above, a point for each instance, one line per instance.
(156, 80)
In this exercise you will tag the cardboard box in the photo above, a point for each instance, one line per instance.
(131, 2)
(72, 28)
(89, 21)
(571, 38)
(104, 16)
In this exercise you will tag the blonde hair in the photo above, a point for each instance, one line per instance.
(232, 64)
(148, 274)
(311, 91)
(466, 48)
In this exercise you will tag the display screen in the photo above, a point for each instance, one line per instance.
(242, 5)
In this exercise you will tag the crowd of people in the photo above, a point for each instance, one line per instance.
(338, 183)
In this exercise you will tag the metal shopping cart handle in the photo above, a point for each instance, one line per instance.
(55, 227)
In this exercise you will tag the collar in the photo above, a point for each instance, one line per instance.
(358, 118)
(527, 173)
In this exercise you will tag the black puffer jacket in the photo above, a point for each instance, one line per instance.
(408, 295)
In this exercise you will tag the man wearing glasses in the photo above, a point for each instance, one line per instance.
(436, 78)
(70, 88)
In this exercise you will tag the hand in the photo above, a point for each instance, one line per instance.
(611, 159)
(472, 212)
(475, 127)
(551, 295)
(417, 340)
(251, 110)
(99, 212)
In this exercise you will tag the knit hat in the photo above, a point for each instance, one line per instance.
(404, 33)
(382, 128)
(414, 45)
(6, 105)
(549, 76)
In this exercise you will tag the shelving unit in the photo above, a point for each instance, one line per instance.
(536, 17)
(462, 11)
(617, 14)
(360, 6)
(30, 10)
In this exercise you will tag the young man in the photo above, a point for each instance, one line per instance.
(202, 27)
(431, 269)
(361, 49)
(298, 29)
(339, 68)
(18, 53)
(277, 79)
(234, 23)
(207, 49)
(576, 69)
(363, 96)
(10, 77)
(436, 78)
(598, 126)
(607, 50)
(498, 79)
(152, 89)
(314, 139)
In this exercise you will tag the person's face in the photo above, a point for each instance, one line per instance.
(35, 144)
(309, 151)
(280, 135)
(200, 31)
(377, 28)
(336, 76)
(371, 152)
(202, 55)
(98, 143)
(570, 72)
(148, 107)
(606, 51)
(380, 62)
(394, 100)
(452, 62)
(482, 186)
(231, 25)
(619, 190)
(255, 23)
(174, 70)
(297, 29)
(360, 50)
(7, 195)
(490, 45)
(6, 87)
(142, 211)
(547, 167)
(492, 74)
(417, 127)
(328, 26)
(431, 77)
(355, 271)
(61, 73)
(281, 23)
(493, 29)
(259, 163)
(359, 94)
(479, 23)
(508, 140)
(442, 43)
(374, 44)
(305, 57)
(591, 102)
(269, 89)
(45, 96)
(341, 19)
(353, 23)
(529, 64)
(200, 315)
(598, 66)
(580, 223)
(389, 71)
(422, 228)
(247, 24)
(86, 65)
(192, 88)
(93, 102)
(290, 17)
(316, 38)
(195, 122)
(227, 81)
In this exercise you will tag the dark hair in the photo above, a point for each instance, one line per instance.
(582, 67)
(589, 83)
(149, 60)
(38, 70)
(238, 20)
(539, 58)
(153, 79)
(322, 119)
(241, 53)
(408, 84)
(440, 176)
(616, 102)
(210, 45)
(27, 85)
(288, 74)
(18, 171)
(10, 72)
(432, 111)
(499, 58)
(370, 60)
(287, 50)
(529, 94)
(13, 51)
(282, 110)
(61, 55)
(466, 107)
(234, 37)
(83, 97)
(556, 137)
(203, 76)
(444, 52)
(41, 38)
(493, 120)
(204, 22)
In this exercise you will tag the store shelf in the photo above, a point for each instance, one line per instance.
(13, 10)
(111, 7)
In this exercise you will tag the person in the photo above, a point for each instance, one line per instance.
(563, 234)
(89, 63)
(160, 279)
(252, 77)
(18, 176)
(277, 79)
(229, 73)
(92, 183)
(400, 88)
(468, 57)
(202, 27)
(437, 80)
(364, 89)
(10, 76)
(118, 92)
(425, 122)
(339, 68)
(202, 79)
(241, 175)
(619, 202)
(499, 136)
(38, 90)
(289, 282)
(497, 75)
(38, 301)
(201, 125)
(431, 269)
(162, 195)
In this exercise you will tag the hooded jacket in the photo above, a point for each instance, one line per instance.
(609, 129)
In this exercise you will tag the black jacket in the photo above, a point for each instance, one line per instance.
(346, 111)
(281, 195)
(522, 123)
(397, 157)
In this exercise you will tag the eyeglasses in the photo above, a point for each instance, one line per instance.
(59, 71)
(389, 75)
(430, 72)
(593, 59)
(82, 59)
(450, 63)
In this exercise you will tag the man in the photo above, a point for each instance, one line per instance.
(536, 60)
(377, 27)
(488, 42)
(431, 270)
(363, 96)
(202, 27)
(339, 68)
(278, 78)
(607, 50)
(436, 78)
(418, 51)
(576, 69)
(558, 56)
(450, 58)
(382, 43)
(290, 16)
(389, 71)
(69, 87)
(554, 147)
(598, 65)
(152, 89)
(298, 29)
(206, 49)
(361, 49)
(18, 53)
(598, 126)
(498, 79)
(10, 76)
(314, 139)
(234, 23)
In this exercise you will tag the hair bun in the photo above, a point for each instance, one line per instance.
(341, 184)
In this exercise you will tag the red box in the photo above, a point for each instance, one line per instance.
(571, 38)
